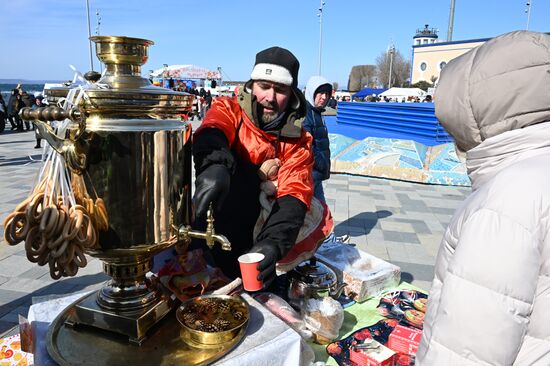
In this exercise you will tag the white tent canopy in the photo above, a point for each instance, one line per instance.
(185, 72)
(403, 93)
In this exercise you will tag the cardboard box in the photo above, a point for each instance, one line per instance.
(366, 276)
(405, 340)
(380, 356)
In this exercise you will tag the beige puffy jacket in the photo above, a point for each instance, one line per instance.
(490, 298)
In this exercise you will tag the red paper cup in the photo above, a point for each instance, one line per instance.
(248, 263)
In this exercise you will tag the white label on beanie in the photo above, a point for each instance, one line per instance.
(271, 72)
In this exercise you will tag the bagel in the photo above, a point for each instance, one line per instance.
(55, 270)
(82, 236)
(93, 238)
(19, 227)
(70, 269)
(79, 257)
(49, 219)
(35, 208)
(58, 230)
(70, 253)
(52, 222)
(101, 218)
(33, 245)
(75, 220)
(60, 250)
(63, 259)
(8, 221)
(52, 244)
(90, 206)
(45, 256)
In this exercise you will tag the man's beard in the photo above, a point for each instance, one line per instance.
(268, 117)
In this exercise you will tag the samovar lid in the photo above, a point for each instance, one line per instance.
(122, 92)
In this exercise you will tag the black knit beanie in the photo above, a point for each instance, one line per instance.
(278, 65)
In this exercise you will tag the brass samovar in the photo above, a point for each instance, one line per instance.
(129, 142)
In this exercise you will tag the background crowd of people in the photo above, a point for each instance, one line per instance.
(9, 111)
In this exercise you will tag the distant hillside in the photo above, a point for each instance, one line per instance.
(24, 81)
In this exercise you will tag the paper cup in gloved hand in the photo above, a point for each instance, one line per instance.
(249, 271)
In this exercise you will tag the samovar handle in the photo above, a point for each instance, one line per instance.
(66, 147)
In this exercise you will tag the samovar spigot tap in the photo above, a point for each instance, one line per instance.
(184, 233)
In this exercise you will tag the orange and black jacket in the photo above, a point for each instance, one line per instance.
(230, 135)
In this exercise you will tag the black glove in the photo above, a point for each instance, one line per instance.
(283, 224)
(267, 265)
(212, 185)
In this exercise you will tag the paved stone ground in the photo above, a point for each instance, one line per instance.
(397, 221)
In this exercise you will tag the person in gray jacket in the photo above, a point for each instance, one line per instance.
(490, 296)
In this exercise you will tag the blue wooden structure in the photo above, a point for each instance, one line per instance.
(406, 121)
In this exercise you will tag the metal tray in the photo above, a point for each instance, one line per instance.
(165, 345)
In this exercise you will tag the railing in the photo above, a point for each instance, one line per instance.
(406, 121)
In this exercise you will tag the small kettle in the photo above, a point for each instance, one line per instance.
(312, 279)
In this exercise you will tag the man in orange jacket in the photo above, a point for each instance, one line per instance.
(238, 134)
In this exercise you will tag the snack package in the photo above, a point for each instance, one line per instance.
(342, 350)
(324, 318)
(366, 276)
(371, 353)
(405, 340)
(408, 306)
(285, 312)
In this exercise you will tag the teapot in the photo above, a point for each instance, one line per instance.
(312, 279)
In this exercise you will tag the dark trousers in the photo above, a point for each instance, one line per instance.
(38, 137)
(15, 122)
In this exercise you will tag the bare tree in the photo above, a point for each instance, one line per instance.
(400, 69)
(361, 76)
(335, 85)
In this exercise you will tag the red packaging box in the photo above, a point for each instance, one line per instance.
(404, 340)
(381, 356)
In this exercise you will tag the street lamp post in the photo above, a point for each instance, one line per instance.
(528, 11)
(320, 15)
(98, 24)
(451, 21)
(89, 34)
(392, 50)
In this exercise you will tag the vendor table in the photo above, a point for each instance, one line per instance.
(357, 316)
(268, 340)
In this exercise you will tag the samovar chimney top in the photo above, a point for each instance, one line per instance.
(123, 57)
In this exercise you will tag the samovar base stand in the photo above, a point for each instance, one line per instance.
(132, 324)
(166, 345)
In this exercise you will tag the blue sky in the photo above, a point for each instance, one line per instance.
(41, 38)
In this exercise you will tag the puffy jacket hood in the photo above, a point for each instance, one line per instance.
(312, 85)
(499, 86)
